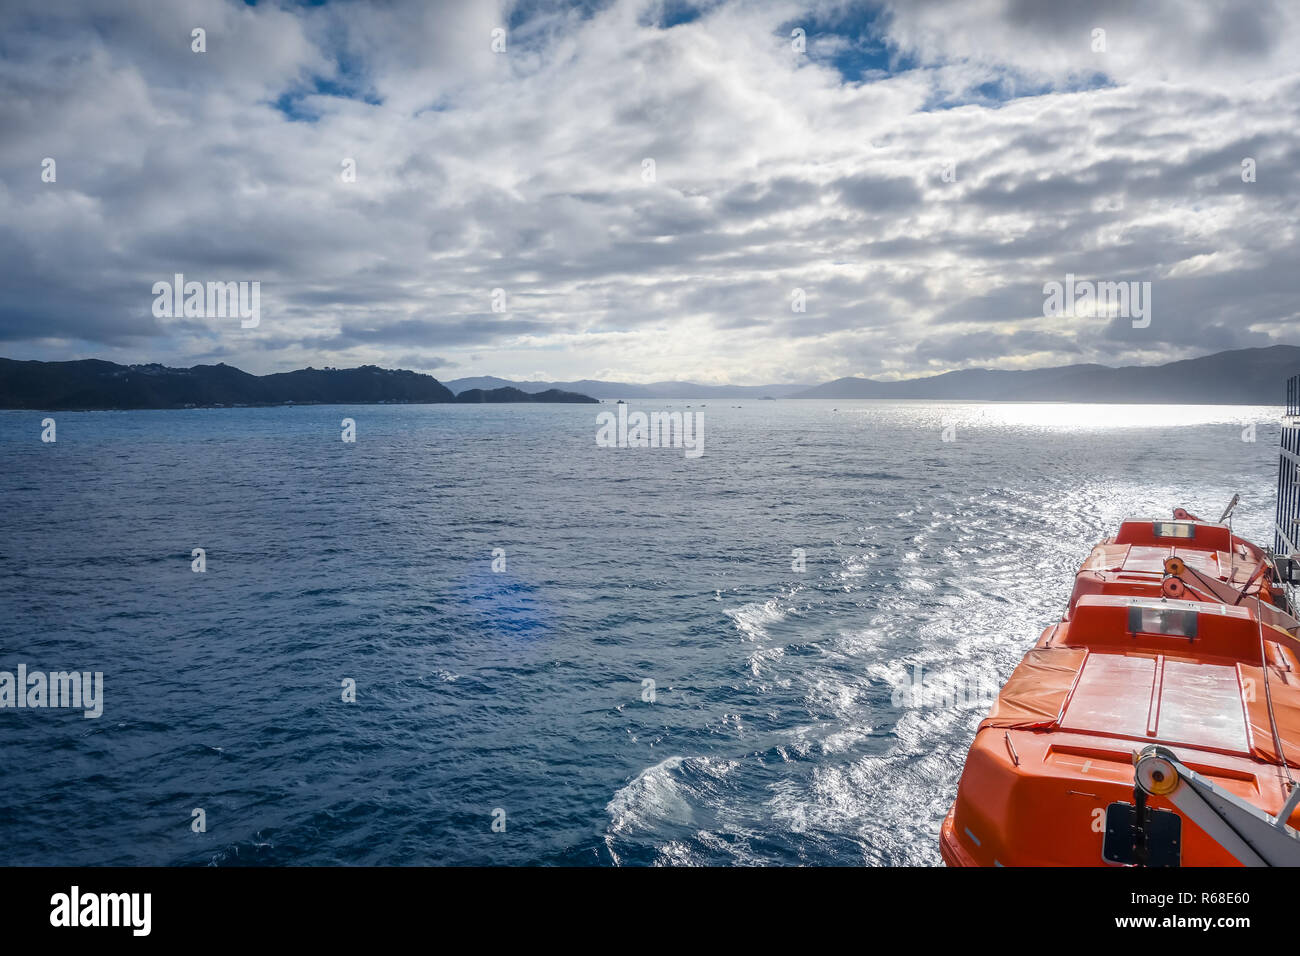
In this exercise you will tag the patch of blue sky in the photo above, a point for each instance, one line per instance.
(348, 82)
(674, 13)
(853, 40)
(527, 12)
(1009, 86)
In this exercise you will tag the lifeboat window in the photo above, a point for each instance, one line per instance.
(1162, 620)
(1173, 529)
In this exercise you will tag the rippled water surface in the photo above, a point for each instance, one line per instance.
(776, 735)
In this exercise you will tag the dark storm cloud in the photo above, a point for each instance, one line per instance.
(435, 333)
(756, 200)
(878, 194)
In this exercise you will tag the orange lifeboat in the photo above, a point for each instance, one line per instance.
(1157, 723)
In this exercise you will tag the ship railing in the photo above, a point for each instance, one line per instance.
(1287, 522)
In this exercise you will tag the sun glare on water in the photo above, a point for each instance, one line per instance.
(1079, 417)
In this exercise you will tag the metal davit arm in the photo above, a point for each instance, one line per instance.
(1244, 830)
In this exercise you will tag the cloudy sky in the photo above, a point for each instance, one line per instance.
(775, 168)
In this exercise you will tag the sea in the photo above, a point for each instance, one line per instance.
(475, 635)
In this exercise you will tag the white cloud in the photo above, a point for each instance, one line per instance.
(524, 171)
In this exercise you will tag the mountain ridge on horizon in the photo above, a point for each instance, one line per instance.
(95, 384)
(1253, 376)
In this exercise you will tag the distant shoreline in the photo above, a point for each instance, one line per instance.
(227, 408)
(850, 402)
(96, 385)
(1253, 376)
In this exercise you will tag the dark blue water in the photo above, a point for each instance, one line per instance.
(775, 736)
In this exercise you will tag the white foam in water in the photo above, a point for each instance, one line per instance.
(652, 797)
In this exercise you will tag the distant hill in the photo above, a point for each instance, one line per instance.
(600, 389)
(93, 384)
(508, 394)
(96, 384)
(1239, 377)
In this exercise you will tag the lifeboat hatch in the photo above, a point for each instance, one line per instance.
(1163, 836)
(1157, 698)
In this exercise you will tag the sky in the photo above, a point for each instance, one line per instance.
(642, 191)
